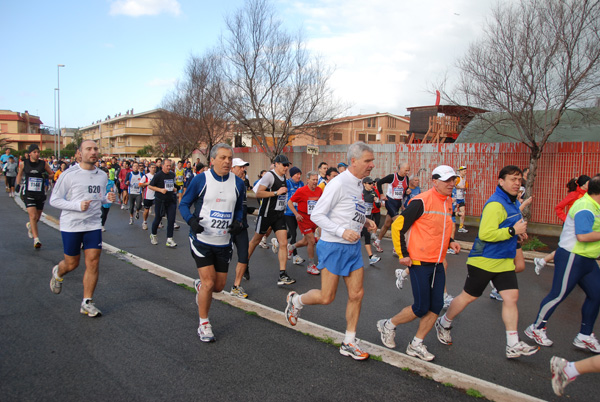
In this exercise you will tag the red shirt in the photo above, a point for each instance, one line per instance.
(567, 203)
(306, 199)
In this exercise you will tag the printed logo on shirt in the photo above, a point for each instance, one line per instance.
(221, 215)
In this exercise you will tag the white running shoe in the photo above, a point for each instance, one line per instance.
(263, 243)
(494, 294)
(374, 259)
(419, 351)
(176, 226)
(399, 278)
(103, 229)
(89, 308)
(56, 281)
(290, 251)
(463, 230)
(131, 220)
(122, 206)
(538, 336)
(387, 335)
(377, 245)
(297, 260)
(291, 312)
(197, 284)
(29, 233)
(171, 243)
(238, 291)
(447, 300)
(312, 269)
(274, 245)
(153, 239)
(520, 349)
(450, 251)
(205, 332)
(591, 343)
(145, 226)
(559, 378)
(443, 334)
(540, 263)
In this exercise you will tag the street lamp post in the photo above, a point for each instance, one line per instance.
(58, 89)
(55, 140)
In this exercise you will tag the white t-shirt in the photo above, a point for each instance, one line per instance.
(73, 186)
(340, 207)
(148, 194)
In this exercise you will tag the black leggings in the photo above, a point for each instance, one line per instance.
(292, 225)
(105, 212)
(162, 208)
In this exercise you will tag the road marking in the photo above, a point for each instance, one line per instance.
(438, 373)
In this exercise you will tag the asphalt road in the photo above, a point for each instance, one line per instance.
(145, 346)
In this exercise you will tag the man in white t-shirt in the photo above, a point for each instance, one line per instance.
(134, 179)
(147, 193)
(341, 215)
(80, 192)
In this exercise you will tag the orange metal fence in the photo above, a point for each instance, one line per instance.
(559, 163)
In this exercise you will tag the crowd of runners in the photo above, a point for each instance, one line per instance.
(333, 208)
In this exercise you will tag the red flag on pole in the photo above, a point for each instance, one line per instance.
(437, 98)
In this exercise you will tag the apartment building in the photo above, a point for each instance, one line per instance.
(20, 130)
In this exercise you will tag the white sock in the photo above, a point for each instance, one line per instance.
(416, 342)
(349, 337)
(446, 323)
(512, 338)
(388, 324)
(405, 273)
(297, 301)
(204, 321)
(571, 371)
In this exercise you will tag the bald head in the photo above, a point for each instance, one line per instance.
(403, 169)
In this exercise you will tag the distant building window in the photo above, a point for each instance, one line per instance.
(372, 137)
(321, 135)
(391, 139)
(372, 122)
(362, 137)
(337, 136)
(391, 122)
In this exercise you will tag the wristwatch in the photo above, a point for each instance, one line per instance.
(511, 231)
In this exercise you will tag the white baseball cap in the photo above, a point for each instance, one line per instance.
(443, 173)
(239, 162)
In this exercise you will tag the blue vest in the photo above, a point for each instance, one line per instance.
(292, 187)
(501, 249)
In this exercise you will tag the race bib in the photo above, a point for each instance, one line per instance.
(94, 192)
(398, 192)
(460, 194)
(218, 223)
(368, 209)
(281, 199)
(169, 185)
(35, 184)
(359, 218)
(310, 205)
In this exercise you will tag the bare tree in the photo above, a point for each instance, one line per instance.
(270, 84)
(536, 60)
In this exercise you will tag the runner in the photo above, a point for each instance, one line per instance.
(123, 173)
(429, 219)
(147, 193)
(272, 190)
(293, 184)
(371, 201)
(397, 187)
(163, 184)
(179, 179)
(340, 212)
(241, 239)
(217, 196)
(110, 187)
(32, 169)
(413, 185)
(341, 167)
(329, 175)
(461, 191)
(492, 258)
(4, 160)
(80, 192)
(323, 166)
(10, 172)
(565, 372)
(301, 204)
(134, 179)
(575, 264)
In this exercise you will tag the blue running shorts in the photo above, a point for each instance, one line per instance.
(72, 241)
(339, 258)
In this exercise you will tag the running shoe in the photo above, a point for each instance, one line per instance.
(238, 291)
(263, 243)
(290, 251)
(399, 278)
(495, 295)
(447, 300)
(291, 312)
(37, 243)
(394, 252)
(131, 220)
(197, 284)
(419, 351)
(89, 308)
(160, 225)
(451, 251)
(103, 229)
(247, 273)
(377, 245)
(297, 260)
(205, 332)
(374, 260)
(591, 343)
(387, 335)
(153, 239)
(540, 263)
(559, 378)
(171, 243)
(312, 269)
(538, 336)
(56, 281)
(520, 349)
(29, 233)
(176, 226)
(122, 206)
(137, 214)
(463, 230)
(274, 245)
(352, 350)
(443, 334)
(145, 226)
(284, 279)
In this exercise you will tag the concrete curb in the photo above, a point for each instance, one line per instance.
(439, 374)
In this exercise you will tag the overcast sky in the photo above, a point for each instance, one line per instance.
(123, 54)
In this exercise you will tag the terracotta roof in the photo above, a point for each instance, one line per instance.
(14, 117)
(358, 117)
